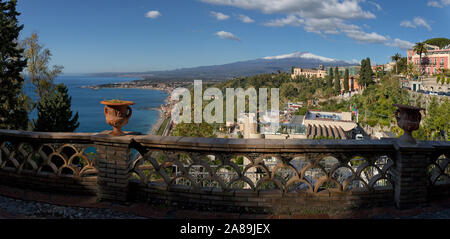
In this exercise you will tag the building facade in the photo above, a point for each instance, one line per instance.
(433, 61)
(352, 84)
(385, 67)
(309, 73)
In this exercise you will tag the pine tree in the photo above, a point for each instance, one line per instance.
(346, 81)
(13, 110)
(54, 113)
(442, 80)
(438, 78)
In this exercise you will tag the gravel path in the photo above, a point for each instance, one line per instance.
(16, 208)
(443, 214)
(30, 209)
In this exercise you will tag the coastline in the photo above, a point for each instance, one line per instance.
(155, 127)
(130, 85)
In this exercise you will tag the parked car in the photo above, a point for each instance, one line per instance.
(441, 93)
(426, 92)
(421, 91)
(433, 93)
(359, 137)
(448, 93)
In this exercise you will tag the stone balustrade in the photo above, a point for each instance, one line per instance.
(228, 174)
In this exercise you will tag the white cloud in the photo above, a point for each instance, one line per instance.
(378, 6)
(404, 45)
(219, 16)
(245, 19)
(364, 37)
(438, 4)
(321, 17)
(153, 14)
(327, 25)
(290, 20)
(347, 9)
(416, 22)
(434, 4)
(422, 22)
(227, 35)
(407, 23)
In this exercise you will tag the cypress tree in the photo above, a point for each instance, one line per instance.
(346, 81)
(13, 110)
(330, 79)
(362, 73)
(54, 113)
(368, 72)
(337, 80)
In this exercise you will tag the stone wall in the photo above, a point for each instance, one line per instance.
(257, 175)
(269, 201)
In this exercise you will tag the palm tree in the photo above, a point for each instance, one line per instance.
(410, 70)
(420, 48)
(396, 58)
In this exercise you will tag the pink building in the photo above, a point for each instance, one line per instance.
(434, 60)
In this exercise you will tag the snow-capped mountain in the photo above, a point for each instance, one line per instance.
(305, 55)
(268, 64)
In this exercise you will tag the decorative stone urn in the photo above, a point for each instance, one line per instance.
(117, 113)
(408, 119)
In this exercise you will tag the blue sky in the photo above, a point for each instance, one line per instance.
(88, 36)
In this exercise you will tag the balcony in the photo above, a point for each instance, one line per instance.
(227, 174)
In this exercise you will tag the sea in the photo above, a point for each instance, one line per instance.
(86, 102)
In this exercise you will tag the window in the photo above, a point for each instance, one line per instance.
(442, 61)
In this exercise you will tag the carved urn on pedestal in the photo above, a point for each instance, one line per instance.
(408, 119)
(117, 113)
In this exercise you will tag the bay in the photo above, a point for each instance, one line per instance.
(86, 102)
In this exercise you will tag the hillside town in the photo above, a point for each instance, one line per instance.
(304, 119)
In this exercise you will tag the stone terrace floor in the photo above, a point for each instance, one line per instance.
(53, 206)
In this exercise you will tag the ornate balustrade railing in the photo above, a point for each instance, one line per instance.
(50, 161)
(250, 168)
(438, 170)
(227, 173)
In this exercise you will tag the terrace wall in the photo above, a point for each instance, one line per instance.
(209, 174)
